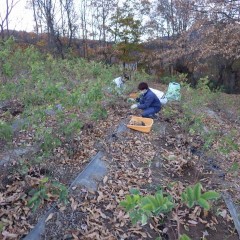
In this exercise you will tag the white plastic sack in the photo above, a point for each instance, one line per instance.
(118, 81)
(160, 95)
(163, 100)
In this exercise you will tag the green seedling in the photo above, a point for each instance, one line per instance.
(141, 208)
(45, 189)
(193, 195)
(6, 132)
(184, 237)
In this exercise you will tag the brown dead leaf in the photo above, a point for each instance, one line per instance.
(214, 219)
(121, 192)
(110, 206)
(75, 237)
(74, 204)
(50, 216)
(223, 213)
(202, 221)
(192, 222)
(101, 213)
(9, 235)
(94, 235)
(105, 179)
(62, 208)
(205, 213)
(100, 196)
(151, 226)
(140, 233)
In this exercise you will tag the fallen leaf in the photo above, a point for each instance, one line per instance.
(74, 204)
(83, 227)
(100, 196)
(105, 179)
(121, 192)
(50, 216)
(75, 237)
(192, 222)
(205, 233)
(9, 235)
(223, 213)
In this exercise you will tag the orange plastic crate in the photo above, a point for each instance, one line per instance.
(133, 95)
(148, 124)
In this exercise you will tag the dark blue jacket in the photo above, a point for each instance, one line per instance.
(149, 99)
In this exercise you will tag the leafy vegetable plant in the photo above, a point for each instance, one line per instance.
(140, 208)
(193, 195)
(44, 190)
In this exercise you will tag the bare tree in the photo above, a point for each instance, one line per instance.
(68, 18)
(4, 16)
(102, 10)
(58, 19)
(84, 29)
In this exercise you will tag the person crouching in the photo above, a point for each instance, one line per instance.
(148, 101)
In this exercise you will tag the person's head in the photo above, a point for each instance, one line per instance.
(125, 77)
(143, 87)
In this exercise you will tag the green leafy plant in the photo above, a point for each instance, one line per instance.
(234, 169)
(39, 194)
(93, 94)
(228, 143)
(61, 191)
(209, 139)
(53, 92)
(50, 142)
(6, 51)
(23, 167)
(7, 69)
(72, 127)
(33, 98)
(184, 237)
(197, 125)
(193, 195)
(6, 132)
(168, 79)
(180, 78)
(96, 69)
(44, 190)
(140, 208)
(168, 112)
(99, 113)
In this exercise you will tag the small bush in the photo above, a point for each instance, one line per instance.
(99, 113)
(6, 132)
(44, 189)
(50, 142)
(71, 128)
(193, 195)
(140, 208)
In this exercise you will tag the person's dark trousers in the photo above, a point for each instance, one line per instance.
(150, 112)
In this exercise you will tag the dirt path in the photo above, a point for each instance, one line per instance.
(146, 161)
(167, 157)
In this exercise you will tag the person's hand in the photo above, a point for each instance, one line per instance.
(131, 100)
(134, 106)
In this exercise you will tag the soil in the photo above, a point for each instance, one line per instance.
(168, 158)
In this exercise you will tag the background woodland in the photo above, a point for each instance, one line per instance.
(199, 38)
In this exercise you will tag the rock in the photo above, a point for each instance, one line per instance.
(18, 124)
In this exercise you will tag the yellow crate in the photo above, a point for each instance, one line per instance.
(147, 121)
(134, 95)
